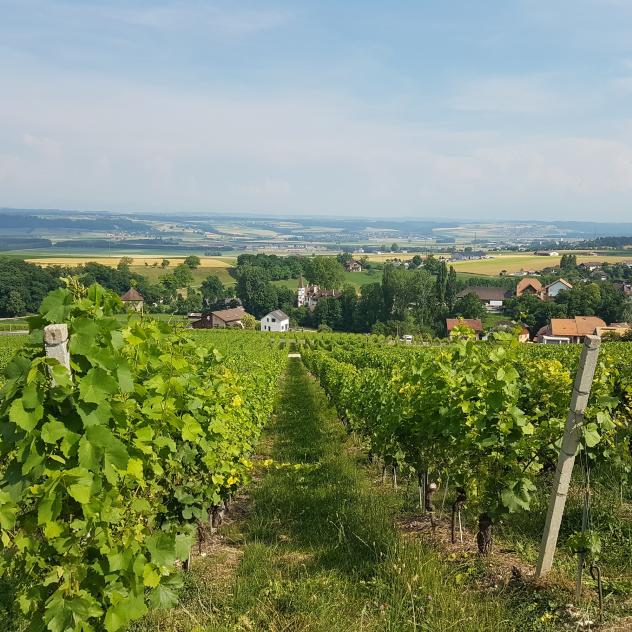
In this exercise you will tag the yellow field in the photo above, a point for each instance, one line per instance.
(515, 263)
(493, 267)
(385, 256)
(205, 262)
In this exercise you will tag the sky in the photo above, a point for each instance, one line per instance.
(501, 109)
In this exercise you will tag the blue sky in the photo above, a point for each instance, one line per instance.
(495, 110)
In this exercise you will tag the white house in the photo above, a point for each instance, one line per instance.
(553, 289)
(275, 321)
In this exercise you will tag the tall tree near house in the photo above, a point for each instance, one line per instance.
(441, 282)
(420, 293)
(349, 305)
(256, 292)
(182, 275)
(325, 272)
(370, 306)
(451, 288)
(328, 312)
(469, 306)
(389, 290)
(213, 289)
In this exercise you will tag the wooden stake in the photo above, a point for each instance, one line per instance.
(566, 460)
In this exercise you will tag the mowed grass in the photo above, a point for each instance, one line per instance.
(318, 550)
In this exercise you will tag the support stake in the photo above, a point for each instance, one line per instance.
(566, 460)
(56, 344)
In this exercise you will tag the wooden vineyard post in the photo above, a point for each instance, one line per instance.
(566, 460)
(56, 344)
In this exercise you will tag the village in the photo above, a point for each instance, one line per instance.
(231, 313)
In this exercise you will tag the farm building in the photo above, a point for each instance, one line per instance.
(491, 297)
(353, 266)
(133, 300)
(473, 323)
(220, 319)
(275, 321)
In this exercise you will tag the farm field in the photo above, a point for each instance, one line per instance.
(209, 266)
(515, 263)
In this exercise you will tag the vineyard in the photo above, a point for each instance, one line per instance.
(107, 472)
(111, 471)
(480, 425)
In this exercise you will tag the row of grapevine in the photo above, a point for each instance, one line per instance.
(9, 344)
(489, 415)
(105, 473)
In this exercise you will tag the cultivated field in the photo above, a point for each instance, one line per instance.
(515, 263)
(149, 266)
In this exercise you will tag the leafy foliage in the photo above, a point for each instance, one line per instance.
(106, 472)
(491, 415)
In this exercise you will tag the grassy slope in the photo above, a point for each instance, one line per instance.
(320, 551)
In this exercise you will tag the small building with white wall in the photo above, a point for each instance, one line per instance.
(553, 289)
(275, 321)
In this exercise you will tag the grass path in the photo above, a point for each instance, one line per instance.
(317, 551)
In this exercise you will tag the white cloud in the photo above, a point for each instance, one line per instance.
(120, 146)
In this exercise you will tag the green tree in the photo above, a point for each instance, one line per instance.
(15, 305)
(165, 263)
(286, 298)
(124, 264)
(193, 262)
(249, 321)
(568, 261)
(469, 306)
(451, 288)
(328, 312)
(182, 275)
(349, 306)
(431, 264)
(325, 272)
(257, 294)
(213, 289)
(370, 306)
(441, 281)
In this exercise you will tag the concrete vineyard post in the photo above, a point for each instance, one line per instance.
(56, 344)
(566, 460)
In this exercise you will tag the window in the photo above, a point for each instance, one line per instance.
(274, 320)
